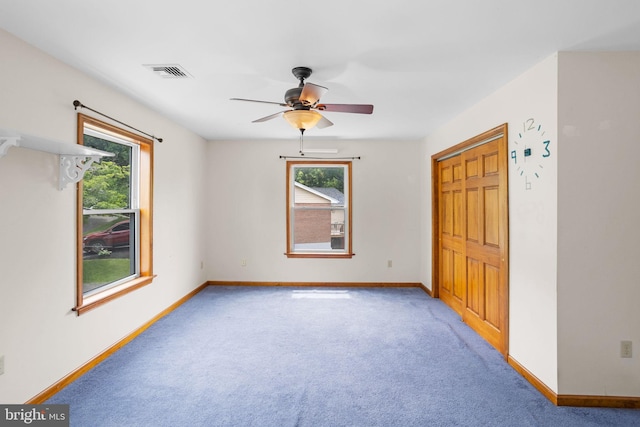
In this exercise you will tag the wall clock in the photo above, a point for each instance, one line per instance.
(531, 149)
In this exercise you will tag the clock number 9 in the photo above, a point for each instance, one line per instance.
(513, 156)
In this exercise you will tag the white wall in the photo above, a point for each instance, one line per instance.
(247, 213)
(532, 223)
(41, 339)
(598, 201)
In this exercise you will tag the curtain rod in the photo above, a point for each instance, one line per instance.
(320, 158)
(77, 104)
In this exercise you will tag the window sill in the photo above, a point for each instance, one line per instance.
(318, 255)
(100, 298)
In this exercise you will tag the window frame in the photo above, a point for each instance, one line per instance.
(144, 248)
(290, 188)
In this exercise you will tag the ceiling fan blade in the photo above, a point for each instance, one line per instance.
(269, 117)
(262, 102)
(324, 123)
(311, 93)
(346, 108)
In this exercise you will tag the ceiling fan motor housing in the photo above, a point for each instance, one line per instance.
(292, 97)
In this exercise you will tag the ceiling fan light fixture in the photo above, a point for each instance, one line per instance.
(302, 119)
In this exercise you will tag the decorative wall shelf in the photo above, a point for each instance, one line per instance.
(75, 159)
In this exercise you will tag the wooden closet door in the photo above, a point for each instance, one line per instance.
(484, 203)
(472, 233)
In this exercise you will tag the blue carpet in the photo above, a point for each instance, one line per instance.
(263, 356)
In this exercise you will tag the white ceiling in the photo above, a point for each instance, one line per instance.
(420, 62)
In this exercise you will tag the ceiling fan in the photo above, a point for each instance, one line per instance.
(304, 104)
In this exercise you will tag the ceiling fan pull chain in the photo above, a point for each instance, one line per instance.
(302, 142)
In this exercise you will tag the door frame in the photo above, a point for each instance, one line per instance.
(500, 131)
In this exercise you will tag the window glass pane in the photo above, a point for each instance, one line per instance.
(107, 185)
(108, 249)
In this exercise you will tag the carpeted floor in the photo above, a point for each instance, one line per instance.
(264, 356)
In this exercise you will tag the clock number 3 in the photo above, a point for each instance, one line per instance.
(547, 153)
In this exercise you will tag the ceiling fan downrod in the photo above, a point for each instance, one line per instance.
(302, 141)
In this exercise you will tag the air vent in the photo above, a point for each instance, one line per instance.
(169, 71)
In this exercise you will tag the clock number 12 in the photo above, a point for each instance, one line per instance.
(528, 125)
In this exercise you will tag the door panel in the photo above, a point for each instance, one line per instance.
(472, 204)
(471, 167)
(446, 258)
(491, 216)
(459, 276)
(474, 298)
(458, 220)
(492, 295)
(447, 214)
(491, 164)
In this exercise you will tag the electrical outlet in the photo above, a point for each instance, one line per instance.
(201, 265)
(389, 263)
(243, 262)
(2, 364)
(626, 349)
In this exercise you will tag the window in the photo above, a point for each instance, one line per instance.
(114, 215)
(319, 209)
